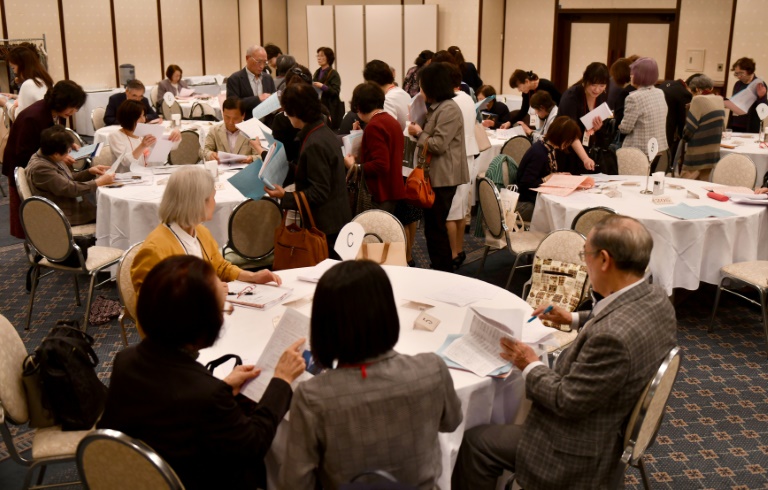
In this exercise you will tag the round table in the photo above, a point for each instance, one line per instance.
(126, 215)
(483, 400)
(748, 144)
(685, 252)
(186, 105)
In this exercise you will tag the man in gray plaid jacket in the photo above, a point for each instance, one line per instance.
(572, 437)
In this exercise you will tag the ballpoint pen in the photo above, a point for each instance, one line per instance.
(546, 310)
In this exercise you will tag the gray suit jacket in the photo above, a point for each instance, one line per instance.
(165, 86)
(573, 437)
(444, 135)
(239, 86)
(216, 140)
(65, 189)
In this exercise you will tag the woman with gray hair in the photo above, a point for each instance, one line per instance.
(284, 63)
(704, 126)
(189, 199)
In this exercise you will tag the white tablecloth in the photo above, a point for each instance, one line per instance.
(126, 215)
(685, 252)
(514, 101)
(748, 145)
(483, 400)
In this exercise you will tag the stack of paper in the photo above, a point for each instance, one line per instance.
(505, 134)
(352, 142)
(89, 151)
(684, 211)
(742, 101)
(314, 274)
(602, 111)
(261, 296)
(417, 111)
(274, 168)
(564, 185)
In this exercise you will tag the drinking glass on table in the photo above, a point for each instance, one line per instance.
(727, 134)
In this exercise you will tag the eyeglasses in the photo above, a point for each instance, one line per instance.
(583, 253)
(739, 73)
(258, 62)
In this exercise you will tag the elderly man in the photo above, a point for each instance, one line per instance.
(250, 84)
(226, 137)
(572, 436)
(134, 90)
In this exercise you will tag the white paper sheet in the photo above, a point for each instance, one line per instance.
(252, 128)
(602, 110)
(744, 99)
(186, 92)
(352, 143)
(505, 134)
(160, 151)
(225, 157)
(461, 296)
(313, 274)
(155, 130)
(417, 110)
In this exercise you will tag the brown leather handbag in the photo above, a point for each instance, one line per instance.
(299, 246)
(418, 189)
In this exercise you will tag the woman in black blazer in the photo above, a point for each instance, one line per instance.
(328, 81)
(528, 83)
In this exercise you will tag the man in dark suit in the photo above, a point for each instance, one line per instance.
(572, 435)
(251, 85)
(678, 97)
(133, 91)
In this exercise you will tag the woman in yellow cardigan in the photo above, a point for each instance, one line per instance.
(189, 199)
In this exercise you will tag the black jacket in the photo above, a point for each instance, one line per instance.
(544, 84)
(110, 114)
(239, 86)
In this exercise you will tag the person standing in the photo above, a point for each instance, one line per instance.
(251, 84)
(328, 82)
(749, 122)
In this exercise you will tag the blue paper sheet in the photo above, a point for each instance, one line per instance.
(247, 181)
(684, 211)
(275, 167)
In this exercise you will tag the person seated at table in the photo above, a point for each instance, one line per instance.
(645, 110)
(133, 91)
(189, 200)
(396, 100)
(573, 436)
(50, 175)
(172, 83)
(378, 408)
(251, 84)
(749, 122)
(540, 162)
(703, 130)
(528, 83)
(546, 111)
(161, 394)
(226, 137)
(124, 141)
(284, 63)
(494, 107)
(273, 53)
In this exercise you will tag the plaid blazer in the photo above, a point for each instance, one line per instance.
(573, 435)
(645, 117)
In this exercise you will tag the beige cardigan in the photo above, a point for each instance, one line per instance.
(444, 135)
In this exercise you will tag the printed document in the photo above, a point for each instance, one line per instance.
(274, 168)
(564, 185)
(225, 157)
(160, 151)
(267, 106)
(602, 110)
(352, 143)
(461, 296)
(742, 101)
(87, 151)
(417, 111)
(483, 104)
(253, 129)
(260, 296)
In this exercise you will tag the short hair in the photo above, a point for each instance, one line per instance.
(29, 67)
(562, 131)
(423, 57)
(272, 50)
(300, 100)
(177, 304)
(284, 63)
(542, 100)
(377, 71)
(253, 49)
(690, 79)
(171, 70)
(129, 113)
(519, 77)
(55, 139)
(135, 85)
(184, 198)
(645, 72)
(626, 240)
(444, 56)
(233, 103)
(436, 82)
(620, 71)
(354, 315)
(367, 97)
(65, 94)
(701, 82)
(746, 64)
(596, 73)
(298, 74)
(486, 90)
(329, 56)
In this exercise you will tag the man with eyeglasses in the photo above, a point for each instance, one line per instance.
(251, 84)
(744, 71)
(572, 437)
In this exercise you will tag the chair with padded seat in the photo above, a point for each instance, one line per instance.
(381, 227)
(516, 148)
(735, 170)
(202, 111)
(632, 161)
(588, 218)
(169, 111)
(153, 95)
(251, 233)
(50, 445)
(126, 290)
(49, 234)
(97, 118)
(110, 460)
(188, 151)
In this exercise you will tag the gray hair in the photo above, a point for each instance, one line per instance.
(702, 82)
(253, 49)
(626, 240)
(284, 63)
(184, 198)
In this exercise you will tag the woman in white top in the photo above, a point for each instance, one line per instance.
(34, 81)
(546, 110)
(124, 141)
(461, 200)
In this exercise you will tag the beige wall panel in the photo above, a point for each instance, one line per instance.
(618, 4)
(90, 63)
(704, 24)
(250, 26)
(297, 31)
(457, 25)
(275, 23)
(589, 43)
(182, 44)
(419, 33)
(320, 33)
(362, 2)
(491, 43)
(750, 36)
(33, 18)
(222, 44)
(138, 41)
(384, 35)
(413, 2)
(350, 40)
(649, 40)
(528, 41)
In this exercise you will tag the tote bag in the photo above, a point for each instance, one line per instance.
(418, 189)
(299, 246)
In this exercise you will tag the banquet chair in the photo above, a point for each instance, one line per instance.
(97, 118)
(153, 95)
(188, 151)
(49, 234)
(735, 170)
(520, 243)
(588, 218)
(632, 161)
(202, 111)
(126, 290)
(105, 156)
(251, 233)
(753, 274)
(516, 148)
(646, 417)
(382, 224)
(168, 111)
(110, 460)
(49, 445)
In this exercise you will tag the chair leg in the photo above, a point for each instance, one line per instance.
(512, 272)
(122, 327)
(482, 261)
(41, 474)
(764, 306)
(714, 307)
(77, 289)
(35, 280)
(88, 300)
(641, 467)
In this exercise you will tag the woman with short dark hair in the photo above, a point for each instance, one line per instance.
(411, 80)
(372, 407)
(498, 109)
(129, 115)
(749, 122)
(160, 394)
(528, 83)
(172, 83)
(328, 82)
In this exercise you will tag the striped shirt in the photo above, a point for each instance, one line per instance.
(703, 131)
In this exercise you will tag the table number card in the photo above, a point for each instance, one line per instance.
(425, 321)
(662, 200)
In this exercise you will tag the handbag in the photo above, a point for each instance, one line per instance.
(483, 142)
(418, 189)
(299, 246)
(389, 253)
(40, 414)
(360, 198)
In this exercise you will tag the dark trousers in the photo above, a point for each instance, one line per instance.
(14, 205)
(435, 232)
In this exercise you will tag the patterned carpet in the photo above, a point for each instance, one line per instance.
(715, 433)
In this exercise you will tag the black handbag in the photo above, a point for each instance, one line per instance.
(360, 198)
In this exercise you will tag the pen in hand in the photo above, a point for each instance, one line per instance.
(546, 310)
